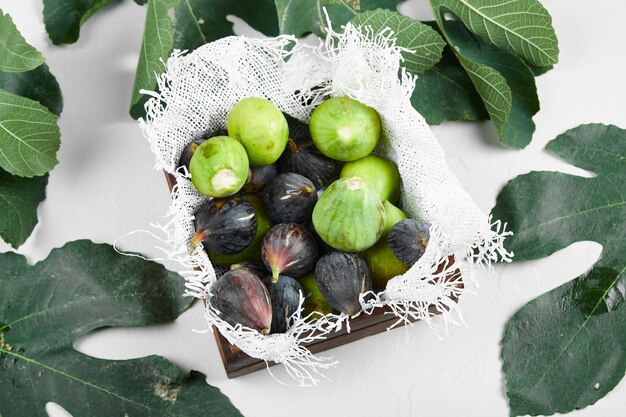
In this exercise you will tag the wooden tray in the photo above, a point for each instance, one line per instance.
(237, 363)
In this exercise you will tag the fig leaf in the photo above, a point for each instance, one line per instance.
(521, 27)
(19, 196)
(566, 349)
(79, 288)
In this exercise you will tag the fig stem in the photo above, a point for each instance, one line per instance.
(275, 272)
(293, 146)
(197, 238)
(307, 190)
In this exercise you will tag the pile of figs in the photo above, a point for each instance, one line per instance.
(299, 209)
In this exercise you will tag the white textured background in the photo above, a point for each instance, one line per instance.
(104, 187)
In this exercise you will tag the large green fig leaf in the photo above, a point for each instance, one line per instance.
(298, 17)
(15, 54)
(522, 27)
(426, 44)
(186, 25)
(503, 81)
(79, 288)
(63, 18)
(567, 348)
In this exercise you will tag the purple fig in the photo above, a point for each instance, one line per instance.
(257, 268)
(306, 160)
(225, 226)
(290, 198)
(259, 177)
(241, 298)
(408, 240)
(289, 248)
(342, 278)
(285, 296)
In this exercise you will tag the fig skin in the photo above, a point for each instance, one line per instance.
(306, 160)
(252, 252)
(290, 198)
(379, 172)
(349, 215)
(259, 177)
(289, 248)
(345, 129)
(219, 167)
(380, 260)
(225, 225)
(188, 151)
(256, 268)
(285, 297)
(314, 303)
(342, 278)
(408, 240)
(190, 148)
(241, 298)
(260, 127)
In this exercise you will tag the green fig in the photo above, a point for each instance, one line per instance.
(261, 128)
(344, 129)
(219, 167)
(380, 260)
(392, 216)
(314, 301)
(379, 172)
(349, 215)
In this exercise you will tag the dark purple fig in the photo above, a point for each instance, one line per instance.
(285, 297)
(259, 177)
(252, 252)
(289, 248)
(188, 151)
(306, 160)
(257, 268)
(342, 278)
(241, 298)
(290, 198)
(225, 226)
(408, 239)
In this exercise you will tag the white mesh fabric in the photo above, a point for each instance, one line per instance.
(196, 93)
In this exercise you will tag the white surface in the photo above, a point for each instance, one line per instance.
(402, 373)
